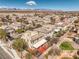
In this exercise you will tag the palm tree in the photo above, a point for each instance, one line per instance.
(20, 45)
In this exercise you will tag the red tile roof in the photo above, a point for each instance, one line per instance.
(42, 48)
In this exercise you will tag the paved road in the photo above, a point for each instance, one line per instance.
(4, 55)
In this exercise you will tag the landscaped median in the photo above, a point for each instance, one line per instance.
(66, 46)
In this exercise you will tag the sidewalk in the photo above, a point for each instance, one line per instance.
(14, 56)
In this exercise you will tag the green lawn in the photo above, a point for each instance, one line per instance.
(66, 46)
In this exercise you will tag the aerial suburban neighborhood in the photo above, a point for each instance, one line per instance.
(38, 33)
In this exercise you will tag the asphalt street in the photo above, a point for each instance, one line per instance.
(4, 55)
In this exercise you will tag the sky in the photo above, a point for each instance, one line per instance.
(41, 4)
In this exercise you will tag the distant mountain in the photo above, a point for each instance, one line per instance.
(17, 10)
(27, 9)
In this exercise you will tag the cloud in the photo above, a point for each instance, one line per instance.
(31, 3)
(3, 6)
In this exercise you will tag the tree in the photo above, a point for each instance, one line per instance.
(48, 38)
(56, 51)
(62, 18)
(20, 44)
(78, 52)
(50, 52)
(53, 52)
(20, 31)
(76, 21)
(66, 58)
(46, 56)
(75, 57)
(52, 41)
(3, 34)
(33, 23)
(8, 16)
(55, 40)
(29, 56)
(38, 25)
(59, 33)
(52, 20)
